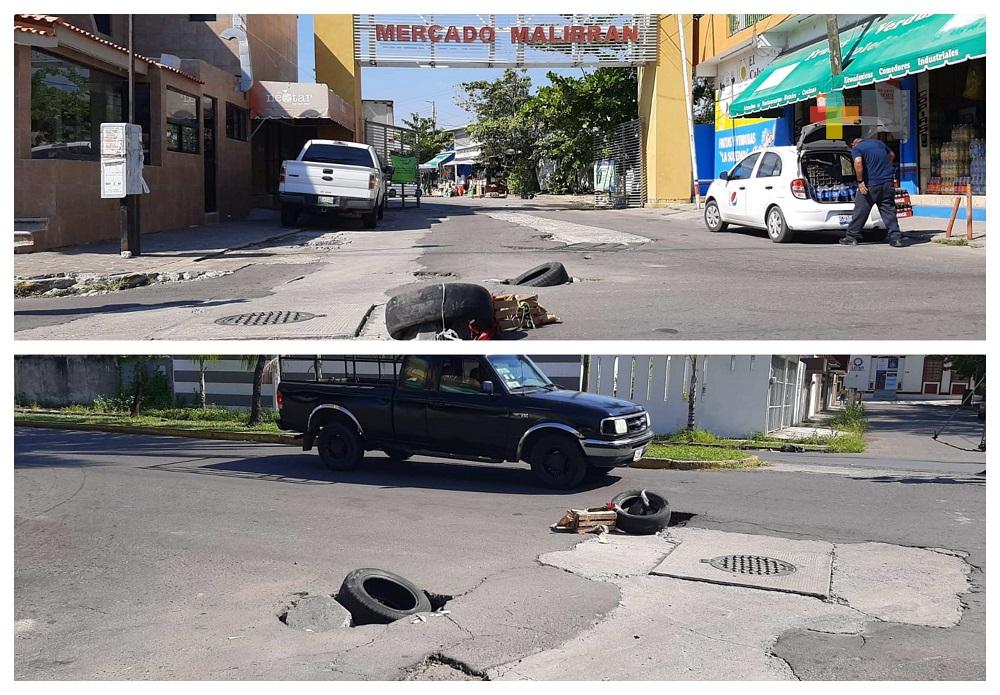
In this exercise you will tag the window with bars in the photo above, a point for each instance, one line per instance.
(739, 22)
(237, 122)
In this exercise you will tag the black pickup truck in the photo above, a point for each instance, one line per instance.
(487, 408)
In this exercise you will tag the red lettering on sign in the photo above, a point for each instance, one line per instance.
(489, 35)
(419, 32)
(612, 34)
(538, 35)
(468, 34)
(385, 33)
(452, 35)
(577, 34)
(434, 33)
(593, 33)
(519, 34)
(402, 32)
(630, 33)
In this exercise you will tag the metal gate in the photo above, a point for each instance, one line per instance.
(782, 392)
(619, 173)
(389, 141)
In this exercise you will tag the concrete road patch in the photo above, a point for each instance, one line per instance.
(569, 232)
(315, 614)
(811, 561)
(906, 585)
(619, 557)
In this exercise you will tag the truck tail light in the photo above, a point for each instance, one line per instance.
(799, 189)
(281, 177)
(281, 399)
(371, 182)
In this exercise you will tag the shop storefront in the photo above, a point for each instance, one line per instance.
(919, 81)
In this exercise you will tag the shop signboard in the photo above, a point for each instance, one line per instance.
(605, 176)
(857, 373)
(735, 138)
(505, 40)
(404, 169)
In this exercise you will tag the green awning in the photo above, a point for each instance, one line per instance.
(905, 44)
(438, 159)
(797, 76)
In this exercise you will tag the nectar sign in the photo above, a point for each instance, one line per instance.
(505, 40)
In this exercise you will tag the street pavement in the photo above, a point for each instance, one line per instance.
(683, 283)
(141, 557)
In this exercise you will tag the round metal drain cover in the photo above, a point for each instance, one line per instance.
(265, 318)
(751, 564)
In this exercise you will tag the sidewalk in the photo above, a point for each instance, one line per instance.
(181, 250)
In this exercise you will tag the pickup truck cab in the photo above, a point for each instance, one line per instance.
(489, 408)
(333, 176)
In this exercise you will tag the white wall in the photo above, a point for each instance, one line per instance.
(732, 389)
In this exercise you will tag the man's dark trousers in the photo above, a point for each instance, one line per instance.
(882, 195)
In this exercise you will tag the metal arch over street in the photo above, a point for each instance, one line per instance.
(501, 41)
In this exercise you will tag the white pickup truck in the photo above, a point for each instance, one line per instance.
(333, 176)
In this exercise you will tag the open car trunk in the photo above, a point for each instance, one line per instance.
(826, 163)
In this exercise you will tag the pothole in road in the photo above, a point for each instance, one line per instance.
(440, 668)
(319, 613)
(668, 331)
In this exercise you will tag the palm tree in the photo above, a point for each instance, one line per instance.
(260, 365)
(202, 361)
(692, 391)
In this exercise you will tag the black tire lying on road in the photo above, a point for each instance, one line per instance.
(462, 302)
(635, 517)
(377, 597)
(545, 275)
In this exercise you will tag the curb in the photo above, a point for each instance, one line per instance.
(226, 435)
(675, 464)
(820, 448)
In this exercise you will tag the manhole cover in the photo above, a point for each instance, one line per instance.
(751, 564)
(265, 318)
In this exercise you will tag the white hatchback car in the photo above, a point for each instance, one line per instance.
(784, 190)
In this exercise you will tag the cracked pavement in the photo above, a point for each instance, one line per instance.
(140, 557)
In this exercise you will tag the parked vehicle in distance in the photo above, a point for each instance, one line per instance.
(486, 408)
(334, 176)
(784, 190)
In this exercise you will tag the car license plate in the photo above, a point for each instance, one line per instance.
(845, 220)
(638, 454)
(326, 200)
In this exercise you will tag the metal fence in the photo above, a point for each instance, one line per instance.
(619, 172)
(389, 140)
(784, 389)
(739, 22)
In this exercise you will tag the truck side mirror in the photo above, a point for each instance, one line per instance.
(486, 387)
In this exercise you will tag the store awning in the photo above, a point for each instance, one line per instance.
(796, 76)
(438, 159)
(902, 45)
(466, 155)
(299, 101)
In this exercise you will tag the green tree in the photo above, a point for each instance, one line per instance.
(703, 101)
(506, 134)
(203, 361)
(430, 140)
(261, 365)
(142, 387)
(968, 367)
(571, 112)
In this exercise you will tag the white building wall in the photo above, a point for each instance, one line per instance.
(732, 389)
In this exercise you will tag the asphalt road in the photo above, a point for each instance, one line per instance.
(683, 283)
(147, 557)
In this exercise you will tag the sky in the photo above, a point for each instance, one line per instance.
(412, 89)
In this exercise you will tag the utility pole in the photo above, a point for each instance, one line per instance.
(690, 109)
(833, 37)
(434, 115)
(130, 237)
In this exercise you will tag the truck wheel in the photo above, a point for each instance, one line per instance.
(370, 219)
(557, 461)
(461, 303)
(289, 214)
(376, 597)
(635, 517)
(398, 454)
(339, 447)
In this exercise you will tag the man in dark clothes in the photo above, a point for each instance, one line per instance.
(873, 166)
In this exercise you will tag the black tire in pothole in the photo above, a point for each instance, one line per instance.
(378, 597)
(545, 275)
(457, 302)
(339, 446)
(636, 518)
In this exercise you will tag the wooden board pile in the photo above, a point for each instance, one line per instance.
(587, 520)
(520, 311)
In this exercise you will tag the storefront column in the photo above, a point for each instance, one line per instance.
(909, 150)
(335, 63)
(784, 129)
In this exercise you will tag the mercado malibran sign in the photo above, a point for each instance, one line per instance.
(505, 40)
